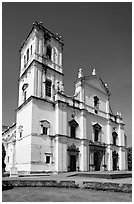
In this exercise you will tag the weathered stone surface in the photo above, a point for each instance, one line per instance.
(68, 184)
(116, 187)
(40, 183)
(104, 186)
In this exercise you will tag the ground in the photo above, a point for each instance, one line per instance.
(43, 194)
(51, 194)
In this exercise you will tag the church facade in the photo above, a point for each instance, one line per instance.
(55, 132)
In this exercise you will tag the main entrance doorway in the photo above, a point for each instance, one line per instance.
(97, 161)
(73, 155)
(72, 162)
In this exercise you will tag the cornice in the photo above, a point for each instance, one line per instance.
(118, 146)
(34, 97)
(45, 67)
(8, 129)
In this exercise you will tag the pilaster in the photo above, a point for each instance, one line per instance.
(110, 159)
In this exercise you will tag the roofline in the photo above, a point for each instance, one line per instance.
(46, 31)
(94, 76)
(42, 64)
(9, 128)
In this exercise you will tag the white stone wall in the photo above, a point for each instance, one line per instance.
(23, 144)
(42, 146)
(30, 42)
(92, 120)
(28, 78)
(90, 92)
(9, 156)
(62, 156)
(42, 110)
(23, 154)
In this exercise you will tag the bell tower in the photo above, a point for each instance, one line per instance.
(41, 72)
(41, 76)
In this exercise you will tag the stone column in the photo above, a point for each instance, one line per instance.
(104, 162)
(40, 47)
(57, 155)
(109, 133)
(120, 159)
(82, 157)
(110, 160)
(57, 122)
(91, 165)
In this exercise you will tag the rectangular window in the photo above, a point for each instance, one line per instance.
(49, 52)
(31, 49)
(47, 159)
(8, 158)
(25, 96)
(48, 88)
(73, 131)
(96, 102)
(20, 134)
(45, 130)
(24, 59)
(27, 55)
(96, 132)
(114, 140)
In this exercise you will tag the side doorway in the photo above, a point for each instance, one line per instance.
(97, 161)
(72, 162)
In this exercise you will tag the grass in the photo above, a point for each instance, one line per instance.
(43, 194)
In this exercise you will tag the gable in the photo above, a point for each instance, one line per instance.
(96, 83)
(97, 126)
(73, 123)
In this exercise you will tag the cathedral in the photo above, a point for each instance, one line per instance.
(55, 132)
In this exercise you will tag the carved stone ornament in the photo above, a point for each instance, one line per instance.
(93, 72)
(73, 123)
(73, 148)
(80, 73)
(97, 126)
(20, 128)
(24, 86)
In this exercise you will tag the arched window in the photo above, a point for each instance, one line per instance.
(31, 49)
(45, 127)
(48, 87)
(24, 59)
(49, 52)
(114, 134)
(27, 55)
(97, 129)
(20, 129)
(96, 104)
(73, 125)
(24, 88)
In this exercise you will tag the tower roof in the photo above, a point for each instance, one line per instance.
(47, 33)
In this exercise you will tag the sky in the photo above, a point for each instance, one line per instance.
(96, 35)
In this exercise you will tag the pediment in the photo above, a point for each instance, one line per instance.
(73, 148)
(97, 126)
(96, 83)
(73, 123)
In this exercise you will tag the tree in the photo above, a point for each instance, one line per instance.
(129, 153)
